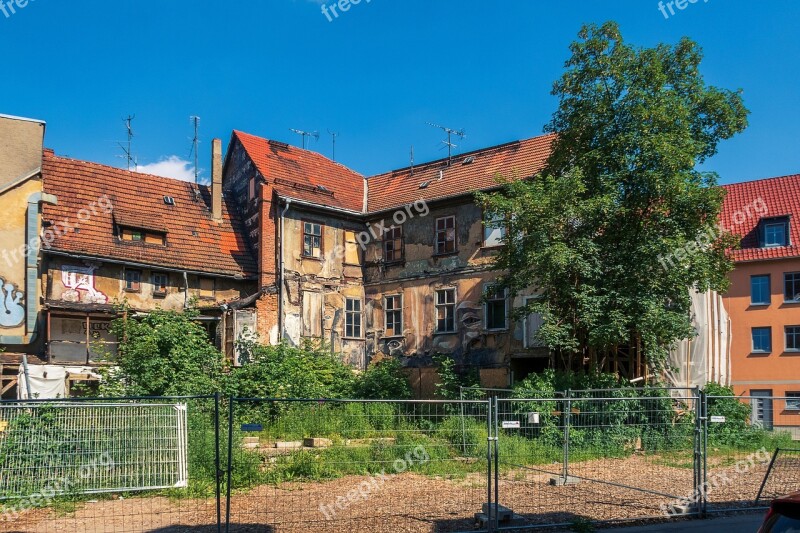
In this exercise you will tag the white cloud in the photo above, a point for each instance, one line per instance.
(170, 167)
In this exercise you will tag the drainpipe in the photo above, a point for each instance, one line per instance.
(32, 263)
(280, 289)
(185, 290)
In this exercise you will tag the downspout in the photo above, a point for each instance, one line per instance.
(281, 287)
(32, 263)
(185, 290)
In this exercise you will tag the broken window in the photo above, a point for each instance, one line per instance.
(160, 281)
(496, 308)
(352, 327)
(351, 253)
(133, 280)
(445, 311)
(393, 245)
(494, 230)
(394, 315)
(312, 239)
(446, 235)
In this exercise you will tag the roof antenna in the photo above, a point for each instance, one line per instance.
(195, 142)
(449, 142)
(305, 134)
(412, 159)
(127, 150)
(333, 135)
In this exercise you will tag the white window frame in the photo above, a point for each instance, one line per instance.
(453, 305)
(386, 312)
(350, 314)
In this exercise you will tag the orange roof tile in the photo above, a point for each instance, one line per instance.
(780, 197)
(299, 173)
(519, 159)
(194, 241)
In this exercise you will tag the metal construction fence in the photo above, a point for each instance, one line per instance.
(489, 462)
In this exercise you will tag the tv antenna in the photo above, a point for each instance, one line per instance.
(333, 135)
(305, 134)
(449, 142)
(126, 149)
(195, 142)
(412, 159)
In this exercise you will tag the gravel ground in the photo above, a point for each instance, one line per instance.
(408, 502)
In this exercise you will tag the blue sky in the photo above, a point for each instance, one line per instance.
(376, 74)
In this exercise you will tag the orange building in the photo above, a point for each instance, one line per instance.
(764, 298)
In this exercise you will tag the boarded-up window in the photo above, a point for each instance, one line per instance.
(352, 254)
(140, 235)
(80, 340)
(312, 314)
(533, 323)
(207, 287)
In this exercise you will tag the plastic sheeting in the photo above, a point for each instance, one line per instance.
(48, 381)
(706, 357)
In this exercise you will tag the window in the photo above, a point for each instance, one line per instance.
(393, 245)
(446, 311)
(496, 308)
(251, 189)
(160, 282)
(312, 239)
(139, 235)
(793, 338)
(759, 290)
(313, 314)
(445, 235)
(133, 280)
(352, 256)
(762, 340)
(793, 401)
(352, 327)
(533, 323)
(494, 230)
(207, 288)
(791, 283)
(393, 307)
(774, 232)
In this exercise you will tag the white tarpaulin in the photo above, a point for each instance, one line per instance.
(706, 357)
(48, 381)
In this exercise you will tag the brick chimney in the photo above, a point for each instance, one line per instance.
(216, 179)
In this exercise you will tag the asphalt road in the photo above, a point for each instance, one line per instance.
(748, 523)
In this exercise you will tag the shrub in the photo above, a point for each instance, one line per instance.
(383, 380)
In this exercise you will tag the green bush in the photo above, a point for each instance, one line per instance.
(383, 380)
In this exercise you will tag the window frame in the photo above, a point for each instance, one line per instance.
(312, 235)
(448, 307)
(441, 246)
(487, 289)
(350, 315)
(127, 284)
(766, 224)
(792, 396)
(753, 330)
(768, 301)
(795, 334)
(397, 315)
(157, 291)
(796, 282)
(502, 226)
(398, 252)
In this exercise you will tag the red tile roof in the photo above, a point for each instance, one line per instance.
(519, 159)
(775, 197)
(299, 173)
(138, 201)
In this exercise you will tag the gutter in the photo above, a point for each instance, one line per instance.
(281, 287)
(338, 210)
(32, 269)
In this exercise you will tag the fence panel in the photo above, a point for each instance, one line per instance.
(340, 465)
(590, 456)
(744, 433)
(107, 465)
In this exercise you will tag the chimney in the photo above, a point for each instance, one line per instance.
(216, 179)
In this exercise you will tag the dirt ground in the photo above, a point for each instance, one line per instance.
(407, 502)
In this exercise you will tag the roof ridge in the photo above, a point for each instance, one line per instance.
(788, 176)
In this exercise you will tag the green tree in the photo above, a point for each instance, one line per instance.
(597, 230)
(163, 353)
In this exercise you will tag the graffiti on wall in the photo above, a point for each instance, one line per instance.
(79, 285)
(12, 312)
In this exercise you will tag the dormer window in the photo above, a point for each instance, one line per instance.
(142, 235)
(774, 232)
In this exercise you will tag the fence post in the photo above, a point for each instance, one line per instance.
(496, 411)
(700, 434)
(217, 466)
(704, 403)
(567, 417)
(463, 428)
(230, 466)
(489, 423)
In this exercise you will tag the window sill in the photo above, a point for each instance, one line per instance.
(132, 291)
(761, 304)
(760, 353)
(160, 294)
(310, 258)
(498, 330)
(393, 337)
(359, 339)
(791, 302)
(446, 254)
(396, 262)
(445, 333)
